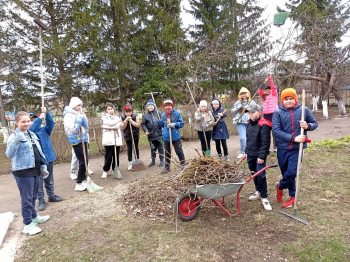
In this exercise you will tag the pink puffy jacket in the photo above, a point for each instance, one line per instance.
(270, 104)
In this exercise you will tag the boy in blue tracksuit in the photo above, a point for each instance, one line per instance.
(286, 127)
(171, 119)
(44, 134)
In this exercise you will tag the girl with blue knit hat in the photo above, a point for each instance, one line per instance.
(154, 132)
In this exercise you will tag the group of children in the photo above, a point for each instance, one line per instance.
(32, 154)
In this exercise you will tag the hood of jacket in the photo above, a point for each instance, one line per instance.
(69, 110)
(216, 99)
(244, 90)
(74, 102)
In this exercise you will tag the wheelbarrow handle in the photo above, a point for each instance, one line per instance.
(260, 171)
(240, 161)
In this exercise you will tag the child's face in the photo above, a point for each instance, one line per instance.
(289, 102)
(203, 108)
(150, 108)
(254, 115)
(168, 107)
(110, 110)
(128, 113)
(78, 108)
(24, 123)
(244, 95)
(267, 91)
(215, 106)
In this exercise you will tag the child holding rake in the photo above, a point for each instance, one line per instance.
(111, 136)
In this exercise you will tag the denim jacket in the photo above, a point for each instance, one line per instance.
(20, 150)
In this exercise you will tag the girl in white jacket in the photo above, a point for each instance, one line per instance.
(111, 136)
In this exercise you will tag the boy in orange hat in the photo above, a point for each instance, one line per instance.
(286, 125)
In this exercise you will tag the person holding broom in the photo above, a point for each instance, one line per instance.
(129, 119)
(286, 127)
(111, 137)
(153, 132)
(171, 119)
(204, 125)
(74, 119)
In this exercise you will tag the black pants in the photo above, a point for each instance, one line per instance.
(78, 150)
(157, 145)
(110, 158)
(178, 150)
(224, 146)
(130, 148)
(260, 180)
(202, 139)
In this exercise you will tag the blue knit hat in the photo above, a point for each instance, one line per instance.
(150, 103)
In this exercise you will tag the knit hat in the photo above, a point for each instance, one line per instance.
(289, 92)
(215, 100)
(74, 101)
(203, 103)
(243, 90)
(128, 107)
(168, 101)
(150, 103)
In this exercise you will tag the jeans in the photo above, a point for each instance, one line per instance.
(131, 148)
(178, 150)
(48, 184)
(110, 158)
(224, 146)
(157, 145)
(260, 180)
(242, 130)
(78, 150)
(28, 189)
(202, 139)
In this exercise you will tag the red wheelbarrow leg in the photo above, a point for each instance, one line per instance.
(222, 200)
(217, 203)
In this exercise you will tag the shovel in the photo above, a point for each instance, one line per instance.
(116, 171)
(207, 153)
(137, 164)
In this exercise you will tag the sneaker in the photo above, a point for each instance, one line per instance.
(227, 159)
(80, 187)
(129, 166)
(279, 193)
(41, 205)
(256, 196)
(289, 203)
(40, 219)
(90, 171)
(165, 170)
(84, 183)
(240, 155)
(152, 163)
(104, 174)
(55, 199)
(266, 204)
(73, 176)
(31, 229)
(220, 157)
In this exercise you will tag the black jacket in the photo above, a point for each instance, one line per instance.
(258, 138)
(150, 124)
(126, 131)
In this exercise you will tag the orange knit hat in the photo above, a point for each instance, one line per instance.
(289, 92)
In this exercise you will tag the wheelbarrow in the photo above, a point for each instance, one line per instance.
(187, 206)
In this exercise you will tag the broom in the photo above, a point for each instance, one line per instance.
(116, 171)
(137, 164)
(171, 145)
(90, 185)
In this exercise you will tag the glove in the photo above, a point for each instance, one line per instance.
(202, 118)
(129, 118)
(171, 125)
(239, 106)
(42, 116)
(78, 122)
(204, 126)
(43, 110)
(20, 136)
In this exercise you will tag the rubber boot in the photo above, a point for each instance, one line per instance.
(152, 163)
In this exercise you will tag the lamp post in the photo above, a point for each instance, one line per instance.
(42, 26)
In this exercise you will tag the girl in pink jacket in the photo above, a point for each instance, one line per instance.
(270, 102)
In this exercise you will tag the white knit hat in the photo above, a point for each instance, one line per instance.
(74, 102)
(203, 103)
(168, 101)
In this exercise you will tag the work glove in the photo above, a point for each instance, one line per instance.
(42, 116)
(239, 106)
(43, 110)
(129, 118)
(204, 127)
(19, 136)
(78, 122)
(171, 125)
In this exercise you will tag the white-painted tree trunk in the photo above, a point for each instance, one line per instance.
(325, 109)
(314, 103)
(341, 107)
(5, 133)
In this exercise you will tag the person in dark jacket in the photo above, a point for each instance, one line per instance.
(153, 132)
(171, 119)
(44, 133)
(257, 150)
(286, 127)
(220, 132)
(130, 119)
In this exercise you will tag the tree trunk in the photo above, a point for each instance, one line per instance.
(3, 119)
(341, 105)
(325, 109)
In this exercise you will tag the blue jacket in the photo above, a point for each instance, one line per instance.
(20, 150)
(72, 125)
(44, 134)
(220, 130)
(175, 117)
(285, 126)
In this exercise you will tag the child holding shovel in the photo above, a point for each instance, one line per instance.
(204, 126)
(220, 132)
(286, 127)
(257, 150)
(75, 121)
(153, 132)
(131, 119)
(171, 119)
(111, 137)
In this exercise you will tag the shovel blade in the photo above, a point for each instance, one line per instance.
(301, 220)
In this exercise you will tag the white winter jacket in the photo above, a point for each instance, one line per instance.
(110, 124)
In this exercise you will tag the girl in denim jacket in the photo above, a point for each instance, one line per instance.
(28, 163)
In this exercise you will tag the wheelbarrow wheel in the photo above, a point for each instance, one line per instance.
(185, 209)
